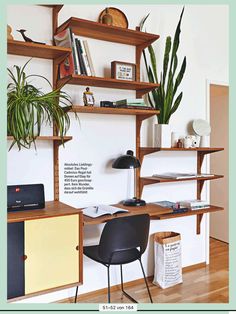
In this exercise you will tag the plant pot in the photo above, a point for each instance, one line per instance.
(162, 135)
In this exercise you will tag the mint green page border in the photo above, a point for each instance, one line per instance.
(165, 308)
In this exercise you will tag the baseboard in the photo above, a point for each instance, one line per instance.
(128, 284)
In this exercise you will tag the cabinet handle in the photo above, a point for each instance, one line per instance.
(24, 257)
(77, 248)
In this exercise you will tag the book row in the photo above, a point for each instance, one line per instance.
(79, 61)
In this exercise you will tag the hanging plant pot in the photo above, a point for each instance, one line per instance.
(162, 135)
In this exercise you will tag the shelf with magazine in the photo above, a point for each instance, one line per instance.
(199, 177)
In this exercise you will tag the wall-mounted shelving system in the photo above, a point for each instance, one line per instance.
(140, 40)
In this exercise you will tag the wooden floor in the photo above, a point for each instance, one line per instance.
(207, 284)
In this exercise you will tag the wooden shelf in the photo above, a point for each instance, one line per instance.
(52, 209)
(209, 209)
(100, 31)
(154, 180)
(199, 214)
(200, 150)
(120, 111)
(21, 48)
(142, 87)
(56, 139)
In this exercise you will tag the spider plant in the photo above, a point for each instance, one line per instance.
(28, 108)
(164, 97)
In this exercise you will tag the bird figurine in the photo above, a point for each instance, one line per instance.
(27, 39)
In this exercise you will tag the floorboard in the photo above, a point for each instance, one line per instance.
(207, 284)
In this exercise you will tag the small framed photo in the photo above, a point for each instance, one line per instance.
(88, 98)
(123, 71)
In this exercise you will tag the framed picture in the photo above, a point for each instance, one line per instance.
(88, 98)
(123, 71)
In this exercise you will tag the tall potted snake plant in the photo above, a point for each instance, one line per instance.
(28, 108)
(165, 98)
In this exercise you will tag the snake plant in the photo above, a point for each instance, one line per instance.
(28, 108)
(164, 97)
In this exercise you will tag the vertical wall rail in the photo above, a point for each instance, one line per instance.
(55, 11)
(200, 158)
(137, 173)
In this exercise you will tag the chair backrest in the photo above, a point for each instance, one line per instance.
(124, 233)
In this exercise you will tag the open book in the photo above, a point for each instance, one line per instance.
(100, 210)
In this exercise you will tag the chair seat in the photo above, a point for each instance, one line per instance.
(121, 257)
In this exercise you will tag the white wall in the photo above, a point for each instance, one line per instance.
(100, 138)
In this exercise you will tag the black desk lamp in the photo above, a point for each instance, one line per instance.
(128, 161)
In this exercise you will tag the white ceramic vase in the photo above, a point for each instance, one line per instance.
(162, 135)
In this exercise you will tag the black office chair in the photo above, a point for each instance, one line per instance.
(123, 240)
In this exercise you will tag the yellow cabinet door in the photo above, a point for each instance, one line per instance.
(52, 258)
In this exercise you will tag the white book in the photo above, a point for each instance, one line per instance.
(84, 55)
(100, 210)
(90, 61)
(194, 203)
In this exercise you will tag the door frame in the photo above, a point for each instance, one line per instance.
(209, 82)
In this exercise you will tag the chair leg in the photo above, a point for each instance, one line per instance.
(108, 287)
(122, 287)
(150, 297)
(76, 294)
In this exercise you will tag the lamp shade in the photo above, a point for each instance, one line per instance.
(127, 161)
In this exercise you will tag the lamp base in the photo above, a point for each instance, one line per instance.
(134, 202)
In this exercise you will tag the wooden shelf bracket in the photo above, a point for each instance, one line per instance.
(198, 221)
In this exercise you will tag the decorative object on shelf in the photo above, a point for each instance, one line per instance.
(9, 30)
(88, 98)
(174, 139)
(107, 104)
(162, 135)
(188, 142)
(106, 18)
(123, 70)
(27, 39)
(28, 108)
(163, 98)
(113, 16)
(179, 144)
(129, 161)
(202, 128)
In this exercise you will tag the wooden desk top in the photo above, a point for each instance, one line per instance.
(52, 209)
(150, 208)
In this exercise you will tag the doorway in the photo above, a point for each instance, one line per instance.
(219, 189)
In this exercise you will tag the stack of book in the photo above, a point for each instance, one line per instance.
(79, 61)
(177, 208)
(132, 103)
(194, 204)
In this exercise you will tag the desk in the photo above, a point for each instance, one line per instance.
(155, 212)
(36, 239)
(152, 209)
